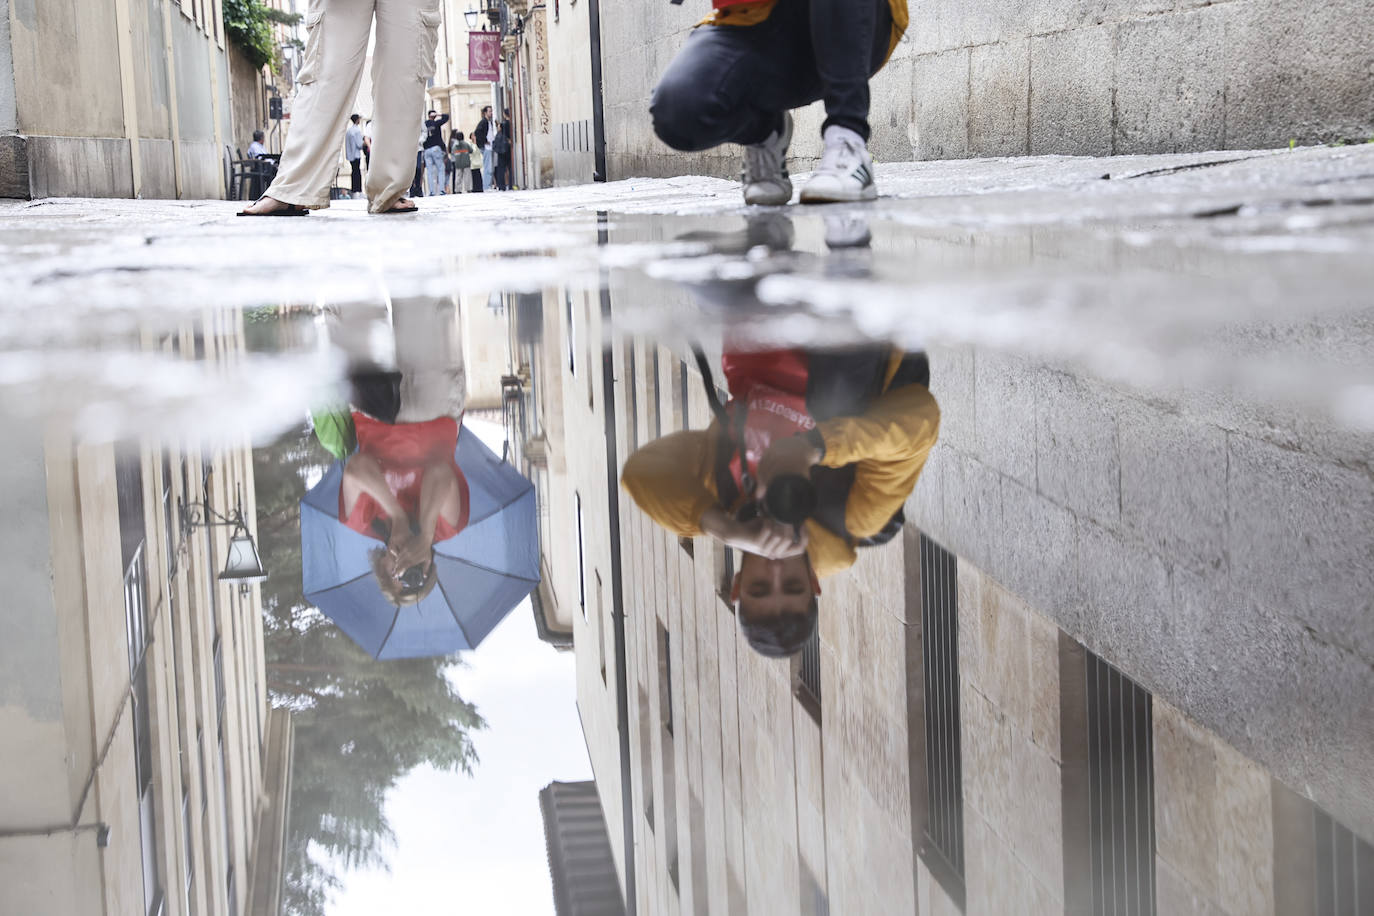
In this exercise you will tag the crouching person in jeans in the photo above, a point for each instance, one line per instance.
(752, 61)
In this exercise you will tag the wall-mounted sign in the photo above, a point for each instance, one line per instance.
(484, 56)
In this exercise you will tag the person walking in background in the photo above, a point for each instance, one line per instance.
(417, 186)
(436, 170)
(501, 149)
(739, 76)
(353, 152)
(332, 71)
(483, 135)
(461, 151)
(476, 180)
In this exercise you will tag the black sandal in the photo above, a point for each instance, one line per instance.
(394, 209)
(286, 210)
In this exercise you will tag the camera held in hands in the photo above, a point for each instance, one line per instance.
(790, 499)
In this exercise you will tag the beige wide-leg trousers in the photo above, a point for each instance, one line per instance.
(335, 52)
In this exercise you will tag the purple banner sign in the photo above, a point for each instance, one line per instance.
(484, 56)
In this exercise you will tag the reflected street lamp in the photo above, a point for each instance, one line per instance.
(242, 564)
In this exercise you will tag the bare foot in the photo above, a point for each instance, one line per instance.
(265, 205)
(404, 205)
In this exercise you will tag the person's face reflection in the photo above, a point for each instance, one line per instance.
(771, 588)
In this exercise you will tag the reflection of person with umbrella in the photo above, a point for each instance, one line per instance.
(402, 487)
(418, 541)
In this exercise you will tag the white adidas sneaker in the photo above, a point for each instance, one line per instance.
(765, 179)
(845, 172)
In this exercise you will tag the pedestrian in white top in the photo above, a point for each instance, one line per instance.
(402, 62)
(353, 152)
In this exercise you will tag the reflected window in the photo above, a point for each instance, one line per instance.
(806, 673)
(601, 626)
(646, 757)
(667, 755)
(944, 763)
(654, 401)
(680, 417)
(1121, 825)
(581, 559)
(631, 383)
(132, 540)
(814, 900)
(725, 573)
(571, 334)
(1344, 868)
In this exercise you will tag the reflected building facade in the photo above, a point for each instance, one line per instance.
(960, 738)
(145, 771)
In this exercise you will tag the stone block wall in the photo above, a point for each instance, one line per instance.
(1009, 701)
(78, 108)
(1077, 77)
(1214, 823)
(1218, 557)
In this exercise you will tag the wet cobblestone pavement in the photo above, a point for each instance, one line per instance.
(1154, 469)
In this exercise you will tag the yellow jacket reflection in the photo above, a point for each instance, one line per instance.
(674, 479)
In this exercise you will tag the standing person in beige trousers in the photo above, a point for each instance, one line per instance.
(402, 61)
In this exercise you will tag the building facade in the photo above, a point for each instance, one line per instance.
(1039, 699)
(451, 92)
(132, 98)
(523, 88)
(145, 771)
(1046, 77)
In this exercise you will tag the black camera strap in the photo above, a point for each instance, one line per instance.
(731, 435)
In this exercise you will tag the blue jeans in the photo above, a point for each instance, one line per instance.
(435, 170)
(488, 161)
(731, 84)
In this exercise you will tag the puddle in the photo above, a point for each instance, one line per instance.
(324, 582)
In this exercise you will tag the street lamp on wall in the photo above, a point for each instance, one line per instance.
(242, 564)
(471, 17)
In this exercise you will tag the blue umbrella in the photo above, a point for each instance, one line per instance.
(483, 572)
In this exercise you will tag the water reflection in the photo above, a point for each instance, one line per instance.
(360, 726)
(1058, 645)
(810, 459)
(418, 540)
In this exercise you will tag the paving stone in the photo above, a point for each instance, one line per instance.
(1071, 77)
(1185, 799)
(1171, 82)
(940, 89)
(1077, 460)
(1312, 84)
(1004, 672)
(1245, 835)
(952, 384)
(893, 113)
(1125, 588)
(999, 99)
(1043, 649)
(1173, 484)
(1300, 535)
(1174, 895)
(1039, 837)
(1039, 559)
(973, 511)
(1005, 393)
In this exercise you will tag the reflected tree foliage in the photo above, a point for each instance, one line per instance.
(360, 724)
